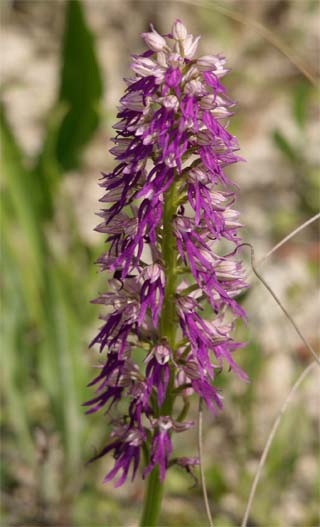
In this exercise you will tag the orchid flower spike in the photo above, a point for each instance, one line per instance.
(167, 214)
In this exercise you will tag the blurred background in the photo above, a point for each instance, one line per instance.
(62, 64)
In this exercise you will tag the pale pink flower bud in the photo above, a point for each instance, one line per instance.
(171, 102)
(220, 112)
(229, 270)
(190, 46)
(207, 102)
(154, 41)
(162, 59)
(231, 219)
(144, 66)
(194, 87)
(179, 30)
(192, 73)
(212, 63)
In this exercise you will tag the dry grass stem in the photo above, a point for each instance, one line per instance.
(272, 293)
(268, 444)
(287, 238)
(202, 475)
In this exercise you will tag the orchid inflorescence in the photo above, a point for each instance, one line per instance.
(172, 239)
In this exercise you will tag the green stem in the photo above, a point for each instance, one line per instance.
(169, 253)
(152, 502)
(168, 319)
(167, 330)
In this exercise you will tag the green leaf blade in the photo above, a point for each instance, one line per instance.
(81, 87)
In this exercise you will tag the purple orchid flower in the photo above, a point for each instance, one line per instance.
(167, 216)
